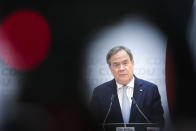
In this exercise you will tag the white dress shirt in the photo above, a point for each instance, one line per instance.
(129, 91)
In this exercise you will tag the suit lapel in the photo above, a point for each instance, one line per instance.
(116, 115)
(137, 95)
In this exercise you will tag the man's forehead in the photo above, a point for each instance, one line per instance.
(121, 55)
(117, 60)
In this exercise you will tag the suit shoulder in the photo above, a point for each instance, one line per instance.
(105, 85)
(146, 83)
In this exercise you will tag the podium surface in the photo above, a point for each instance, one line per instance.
(131, 127)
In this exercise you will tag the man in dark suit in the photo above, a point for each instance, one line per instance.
(124, 92)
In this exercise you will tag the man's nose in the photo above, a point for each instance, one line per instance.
(121, 67)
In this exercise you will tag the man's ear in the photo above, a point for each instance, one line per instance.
(132, 62)
(110, 66)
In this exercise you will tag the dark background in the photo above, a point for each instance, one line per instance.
(50, 98)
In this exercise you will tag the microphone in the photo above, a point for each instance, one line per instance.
(112, 98)
(134, 102)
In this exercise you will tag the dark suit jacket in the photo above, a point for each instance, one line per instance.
(146, 95)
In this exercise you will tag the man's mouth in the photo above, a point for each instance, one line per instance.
(122, 74)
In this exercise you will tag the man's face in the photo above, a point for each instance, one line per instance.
(122, 67)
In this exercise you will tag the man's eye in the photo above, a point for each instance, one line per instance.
(125, 63)
(116, 65)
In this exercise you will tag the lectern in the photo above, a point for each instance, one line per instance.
(131, 127)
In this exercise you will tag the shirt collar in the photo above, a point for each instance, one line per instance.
(130, 84)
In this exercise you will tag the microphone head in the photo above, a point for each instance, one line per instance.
(133, 100)
(112, 97)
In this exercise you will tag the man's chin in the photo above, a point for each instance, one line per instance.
(124, 81)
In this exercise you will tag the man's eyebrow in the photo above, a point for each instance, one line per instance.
(125, 60)
(115, 62)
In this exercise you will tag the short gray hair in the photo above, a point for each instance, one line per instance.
(115, 50)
